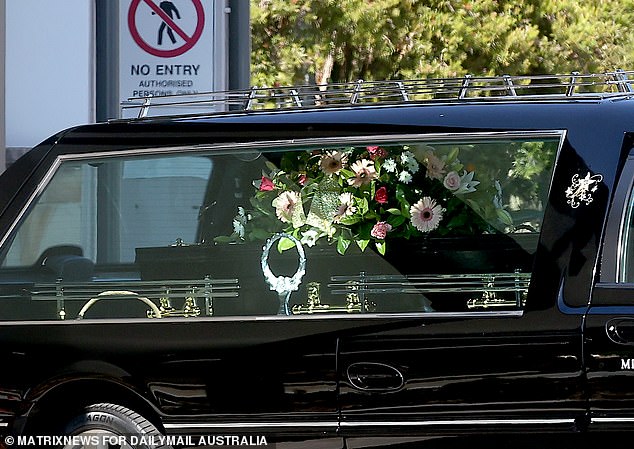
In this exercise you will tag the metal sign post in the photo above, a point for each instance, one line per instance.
(3, 146)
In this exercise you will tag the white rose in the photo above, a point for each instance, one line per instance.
(452, 181)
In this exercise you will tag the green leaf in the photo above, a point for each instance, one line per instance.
(225, 239)
(271, 166)
(505, 217)
(342, 245)
(380, 247)
(346, 173)
(453, 154)
(473, 205)
(394, 211)
(396, 220)
(362, 244)
(285, 243)
(348, 221)
(363, 206)
(260, 234)
(400, 196)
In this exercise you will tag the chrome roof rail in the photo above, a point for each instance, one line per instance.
(509, 85)
(467, 88)
(624, 84)
(252, 93)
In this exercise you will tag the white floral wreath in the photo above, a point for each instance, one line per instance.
(283, 284)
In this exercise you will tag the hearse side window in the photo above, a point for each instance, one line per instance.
(349, 227)
(111, 207)
(617, 257)
(64, 215)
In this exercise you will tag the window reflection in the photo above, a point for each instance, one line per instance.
(391, 227)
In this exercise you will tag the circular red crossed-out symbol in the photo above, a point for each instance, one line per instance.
(190, 41)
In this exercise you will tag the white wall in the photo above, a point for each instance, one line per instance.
(49, 68)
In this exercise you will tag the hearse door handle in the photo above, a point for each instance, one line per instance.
(371, 376)
(621, 330)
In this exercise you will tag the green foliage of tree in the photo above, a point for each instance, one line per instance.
(318, 41)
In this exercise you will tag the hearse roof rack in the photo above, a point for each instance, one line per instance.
(481, 88)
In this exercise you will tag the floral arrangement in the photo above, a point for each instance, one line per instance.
(370, 195)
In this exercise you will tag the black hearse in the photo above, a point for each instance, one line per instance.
(371, 264)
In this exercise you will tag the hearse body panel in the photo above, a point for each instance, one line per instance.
(434, 335)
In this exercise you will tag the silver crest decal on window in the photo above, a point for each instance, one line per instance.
(581, 190)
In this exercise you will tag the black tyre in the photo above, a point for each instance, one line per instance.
(110, 426)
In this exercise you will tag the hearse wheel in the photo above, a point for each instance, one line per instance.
(111, 426)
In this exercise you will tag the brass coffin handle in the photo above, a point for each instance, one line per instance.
(119, 294)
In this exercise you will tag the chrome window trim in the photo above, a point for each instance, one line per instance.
(233, 147)
(325, 141)
(252, 318)
(266, 424)
(46, 179)
(353, 424)
(614, 245)
(625, 217)
(612, 420)
(461, 422)
(320, 141)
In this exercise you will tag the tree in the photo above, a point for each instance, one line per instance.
(318, 41)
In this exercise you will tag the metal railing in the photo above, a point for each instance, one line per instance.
(486, 290)
(168, 298)
(528, 87)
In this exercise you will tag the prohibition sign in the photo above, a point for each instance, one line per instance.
(190, 41)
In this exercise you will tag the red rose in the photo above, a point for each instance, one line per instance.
(376, 152)
(266, 184)
(381, 195)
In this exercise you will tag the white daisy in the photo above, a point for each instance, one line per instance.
(405, 177)
(389, 165)
(412, 166)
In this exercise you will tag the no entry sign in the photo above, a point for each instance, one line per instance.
(173, 22)
(167, 47)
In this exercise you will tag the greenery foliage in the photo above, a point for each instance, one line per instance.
(319, 41)
(372, 194)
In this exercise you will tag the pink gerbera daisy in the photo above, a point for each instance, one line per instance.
(364, 173)
(331, 162)
(285, 205)
(435, 166)
(346, 207)
(426, 214)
